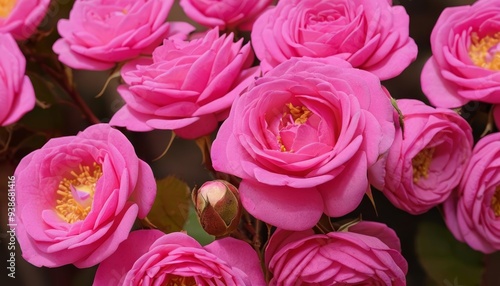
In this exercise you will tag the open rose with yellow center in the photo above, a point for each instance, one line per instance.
(78, 197)
(465, 62)
(302, 138)
(21, 17)
(427, 159)
(472, 213)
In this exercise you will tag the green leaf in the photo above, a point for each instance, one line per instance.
(446, 260)
(194, 229)
(171, 206)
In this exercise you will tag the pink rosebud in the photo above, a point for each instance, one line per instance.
(472, 213)
(187, 87)
(22, 17)
(465, 60)
(78, 197)
(149, 257)
(368, 253)
(425, 163)
(101, 33)
(369, 34)
(230, 14)
(218, 206)
(17, 96)
(302, 139)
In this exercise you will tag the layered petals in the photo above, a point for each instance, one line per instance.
(299, 135)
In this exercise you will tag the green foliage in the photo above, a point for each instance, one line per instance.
(194, 229)
(171, 206)
(446, 260)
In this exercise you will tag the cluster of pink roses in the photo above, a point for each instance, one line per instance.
(307, 131)
(464, 67)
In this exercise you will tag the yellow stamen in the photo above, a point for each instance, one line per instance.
(6, 6)
(280, 143)
(421, 163)
(181, 281)
(485, 52)
(300, 114)
(495, 202)
(77, 193)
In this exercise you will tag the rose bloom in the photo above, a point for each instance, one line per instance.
(472, 213)
(16, 92)
(101, 33)
(187, 87)
(369, 34)
(302, 139)
(232, 14)
(22, 17)
(426, 161)
(78, 197)
(369, 253)
(149, 257)
(465, 60)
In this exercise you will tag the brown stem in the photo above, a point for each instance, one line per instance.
(65, 82)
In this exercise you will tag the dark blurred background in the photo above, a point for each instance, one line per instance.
(184, 158)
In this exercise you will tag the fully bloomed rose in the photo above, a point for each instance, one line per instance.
(101, 33)
(231, 14)
(78, 197)
(369, 253)
(472, 213)
(149, 257)
(16, 92)
(302, 139)
(425, 163)
(465, 60)
(370, 34)
(187, 87)
(22, 17)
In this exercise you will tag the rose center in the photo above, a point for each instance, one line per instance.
(485, 52)
(77, 193)
(180, 281)
(495, 202)
(6, 7)
(295, 115)
(421, 164)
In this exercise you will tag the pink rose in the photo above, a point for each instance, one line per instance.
(465, 60)
(78, 197)
(149, 257)
(369, 34)
(496, 115)
(231, 14)
(369, 253)
(22, 17)
(100, 33)
(472, 213)
(302, 139)
(17, 96)
(421, 169)
(187, 87)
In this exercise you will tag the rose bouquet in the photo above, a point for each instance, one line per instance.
(224, 142)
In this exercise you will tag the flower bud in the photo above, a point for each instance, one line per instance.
(218, 206)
